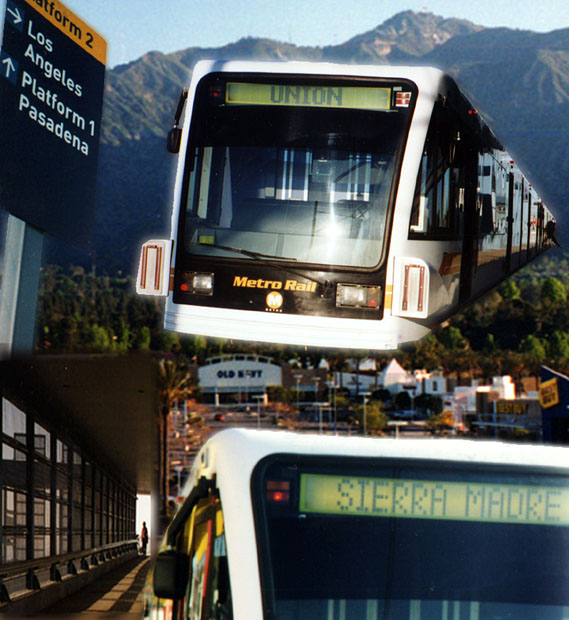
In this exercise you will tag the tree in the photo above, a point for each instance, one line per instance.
(375, 418)
(534, 352)
(452, 339)
(382, 395)
(142, 338)
(427, 403)
(428, 353)
(173, 383)
(559, 348)
(510, 290)
(402, 401)
(441, 422)
(553, 291)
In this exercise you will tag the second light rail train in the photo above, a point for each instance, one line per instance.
(278, 526)
(335, 206)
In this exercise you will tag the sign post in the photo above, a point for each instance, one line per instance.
(52, 70)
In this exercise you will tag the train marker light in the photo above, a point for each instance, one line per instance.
(154, 268)
(410, 287)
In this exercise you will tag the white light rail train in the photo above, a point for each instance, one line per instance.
(278, 526)
(330, 205)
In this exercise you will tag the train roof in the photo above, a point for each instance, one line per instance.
(242, 449)
(430, 81)
(423, 74)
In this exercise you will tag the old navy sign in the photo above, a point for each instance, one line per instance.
(52, 71)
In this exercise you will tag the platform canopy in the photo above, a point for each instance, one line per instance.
(107, 405)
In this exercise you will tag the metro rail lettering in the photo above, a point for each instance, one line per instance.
(288, 285)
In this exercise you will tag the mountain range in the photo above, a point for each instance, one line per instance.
(518, 79)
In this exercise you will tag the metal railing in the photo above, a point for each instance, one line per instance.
(22, 577)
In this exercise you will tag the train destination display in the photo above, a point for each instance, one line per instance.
(308, 96)
(434, 499)
(52, 69)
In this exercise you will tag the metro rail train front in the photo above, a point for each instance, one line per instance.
(337, 206)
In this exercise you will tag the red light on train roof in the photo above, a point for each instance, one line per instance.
(216, 92)
(278, 491)
(473, 111)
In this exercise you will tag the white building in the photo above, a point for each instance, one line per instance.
(246, 375)
(504, 387)
(393, 377)
(435, 384)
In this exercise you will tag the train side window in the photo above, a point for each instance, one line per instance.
(439, 193)
(209, 592)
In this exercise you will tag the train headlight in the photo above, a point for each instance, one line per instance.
(197, 283)
(358, 296)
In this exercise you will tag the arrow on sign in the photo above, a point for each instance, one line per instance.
(15, 14)
(8, 66)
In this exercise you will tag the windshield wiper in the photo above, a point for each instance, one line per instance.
(269, 259)
(249, 253)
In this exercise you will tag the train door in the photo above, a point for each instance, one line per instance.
(540, 225)
(523, 243)
(471, 224)
(530, 226)
(510, 222)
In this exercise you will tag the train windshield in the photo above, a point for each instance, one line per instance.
(300, 171)
(393, 541)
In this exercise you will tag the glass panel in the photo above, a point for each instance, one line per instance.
(77, 491)
(13, 421)
(8, 453)
(76, 538)
(61, 490)
(42, 477)
(62, 452)
(42, 441)
(293, 182)
(306, 205)
(20, 508)
(41, 545)
(41, 513)
(13, 548)
(397, 540)
(13, 467)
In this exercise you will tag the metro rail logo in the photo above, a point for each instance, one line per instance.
(274, 301)
(287, 285)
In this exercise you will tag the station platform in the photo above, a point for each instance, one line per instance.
(115, 596)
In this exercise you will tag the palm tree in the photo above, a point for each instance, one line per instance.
(173, 383)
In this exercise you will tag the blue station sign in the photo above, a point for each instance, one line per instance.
(52, 72)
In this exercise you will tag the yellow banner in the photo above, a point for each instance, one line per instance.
(72, 26)
(549, 393)
(430, 499)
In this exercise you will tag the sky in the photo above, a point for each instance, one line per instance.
(134, 27)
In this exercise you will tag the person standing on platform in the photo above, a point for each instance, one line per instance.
(143, 538)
